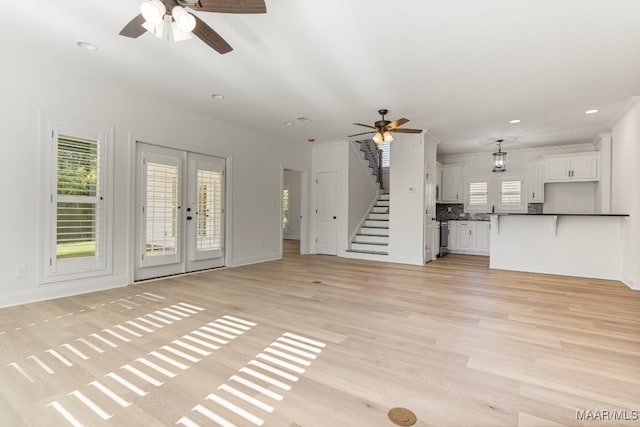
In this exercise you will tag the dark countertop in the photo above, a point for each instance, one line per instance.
(560, 214)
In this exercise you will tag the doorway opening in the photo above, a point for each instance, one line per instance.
(293, 224)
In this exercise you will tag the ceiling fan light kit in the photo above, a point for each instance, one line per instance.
(153, 11)
(183, 19)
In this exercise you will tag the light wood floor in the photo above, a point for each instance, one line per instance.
(457, 343)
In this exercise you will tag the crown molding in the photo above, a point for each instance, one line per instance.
(586, 146)
(629, 104)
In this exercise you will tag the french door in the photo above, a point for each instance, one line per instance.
(180, 211)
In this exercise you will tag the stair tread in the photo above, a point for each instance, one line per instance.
(375, 226)
(370, 243)
(367, 252)
(372, 235)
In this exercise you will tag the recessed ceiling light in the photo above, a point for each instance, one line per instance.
(514, 121)
(591, 111)
(87, 46)
(217, 96)
(288, 123)
(304, 119)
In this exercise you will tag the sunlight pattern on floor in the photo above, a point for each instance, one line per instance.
(154, 369)
(291, 352)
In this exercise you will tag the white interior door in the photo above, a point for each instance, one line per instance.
(205, 212)
(180, 212)
(327, 213)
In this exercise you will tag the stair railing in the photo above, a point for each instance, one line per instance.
(374, 155)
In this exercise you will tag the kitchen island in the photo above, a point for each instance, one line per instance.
(583, 245)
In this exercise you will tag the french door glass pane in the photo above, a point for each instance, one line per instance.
(162, 210)
(209, 233)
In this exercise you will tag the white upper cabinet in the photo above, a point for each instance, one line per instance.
(572, 167)
(451, 187)
(535, 182)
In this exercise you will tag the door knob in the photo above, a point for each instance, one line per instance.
(335, 217)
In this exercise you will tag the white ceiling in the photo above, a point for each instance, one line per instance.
(460, 68)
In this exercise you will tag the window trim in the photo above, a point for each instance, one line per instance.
(50, 269)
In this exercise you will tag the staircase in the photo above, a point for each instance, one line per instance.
(373, 236)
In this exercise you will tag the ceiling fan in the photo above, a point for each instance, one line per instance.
(174, 20)
(382, 127)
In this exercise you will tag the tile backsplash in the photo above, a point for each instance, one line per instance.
(458, 213)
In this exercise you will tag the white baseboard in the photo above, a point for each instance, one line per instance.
(630, 284)
(54, 291)
(255, 260)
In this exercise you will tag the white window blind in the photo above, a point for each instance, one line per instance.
(285, 209)
(478, 194)
(385, 147)
(511, 195)
(161, 209)
(77, 212)
(209, 235)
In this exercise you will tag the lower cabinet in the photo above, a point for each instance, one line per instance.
(469, 237)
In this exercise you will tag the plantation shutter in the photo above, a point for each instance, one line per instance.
(77, 231)
(478, 196)
(511, 195)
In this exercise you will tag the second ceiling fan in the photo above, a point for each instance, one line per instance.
(383, 127)
(171, 20)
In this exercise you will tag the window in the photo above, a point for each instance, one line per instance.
(285, 209)
(75, 215)
(385, 147)
(511, 195)
(478, 196)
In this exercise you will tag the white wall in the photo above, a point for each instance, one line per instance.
(29, 87)
(625, 186)
(363, 188)
(293, 181)
(570, 197)
(479, 165)
(406, 217)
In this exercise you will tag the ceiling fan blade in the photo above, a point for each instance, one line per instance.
(396, 123)
(134, 28)
(363, 133)
(367, 126)
(406, 130)
(205, 33)
(231, 6)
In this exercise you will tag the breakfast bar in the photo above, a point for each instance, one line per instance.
(582, 245)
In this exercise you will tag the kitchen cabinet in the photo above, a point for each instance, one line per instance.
(469, 237)
(451, 185)
(535, 181)
(575, 167)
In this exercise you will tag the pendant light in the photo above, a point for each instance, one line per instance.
(500, 158)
